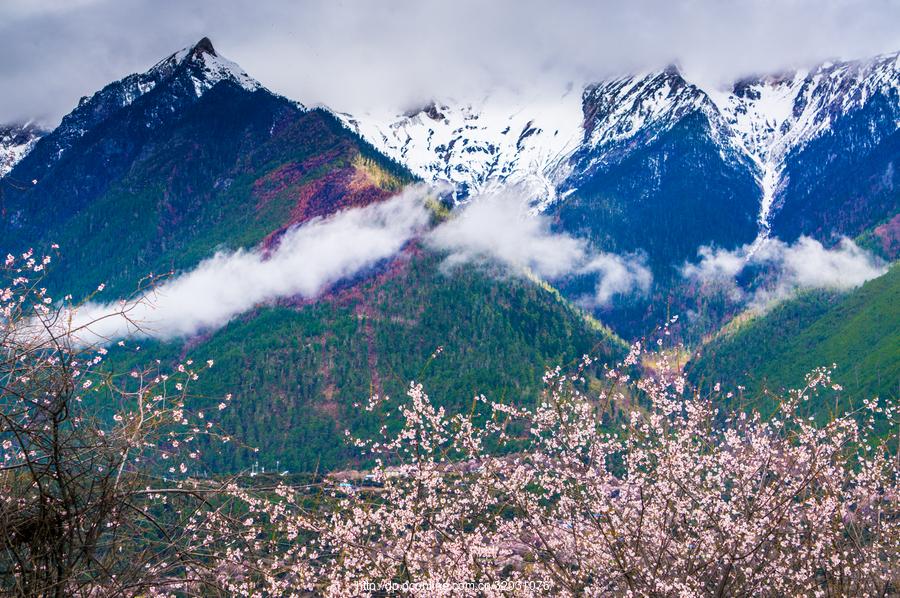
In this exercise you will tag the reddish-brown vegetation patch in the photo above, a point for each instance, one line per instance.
(338, 190)
(290, 175)
(889, 236)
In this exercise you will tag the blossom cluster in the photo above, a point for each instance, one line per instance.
(677, 498)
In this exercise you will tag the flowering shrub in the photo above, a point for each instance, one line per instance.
(677, 500)
(668, 496)
(95, 497)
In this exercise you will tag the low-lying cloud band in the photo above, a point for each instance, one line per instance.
(496, 228)
(804, 264)
(500, 228)
(307, 259)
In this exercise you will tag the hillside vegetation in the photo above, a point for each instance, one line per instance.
(858, 331)
(299, 373)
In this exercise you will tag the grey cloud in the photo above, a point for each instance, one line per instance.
(357, 56)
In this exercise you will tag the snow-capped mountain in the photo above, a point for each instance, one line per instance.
(541, 142)
(620, 152)
(775, 116)
(535, 142)
(759, 122)
(105, 135)
(164, 169)
(657, 172)
(157, 170)
(479, 145)
(187, 75)
(627, 112)
(194, 153)
(15, 142)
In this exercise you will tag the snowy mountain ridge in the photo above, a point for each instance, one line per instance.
(479, 146)
(758, 121)
(212, 68)
(15, 142)
(544, 144)
(192, 71)
(775, 115)
(624, 112)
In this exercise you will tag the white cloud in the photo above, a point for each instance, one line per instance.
(319, 253)
(307, 259)
(716, 264)
(804, 264)
(499, 228)
(618, 276)
(807, 263)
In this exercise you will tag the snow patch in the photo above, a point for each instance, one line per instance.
(15, 143)
(481, 146)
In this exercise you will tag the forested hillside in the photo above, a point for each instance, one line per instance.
(299, 373)
(857, 330)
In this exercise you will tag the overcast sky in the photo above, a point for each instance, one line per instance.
(362, 55)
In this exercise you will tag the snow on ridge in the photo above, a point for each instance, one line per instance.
(758, 121)
(772, 116)
(625, 106)
(218, 68)
(478, 146)
(776, 114)
(199, 64)
(532, 142)
(15, 143)
(213, 68)
(618, 111)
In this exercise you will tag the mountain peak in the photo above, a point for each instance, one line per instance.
(204, 46)
(184, 77)
(672, 70)
(206, 66)
(430, 110)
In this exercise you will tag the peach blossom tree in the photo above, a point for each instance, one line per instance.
(676, 499)
(636, 486)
